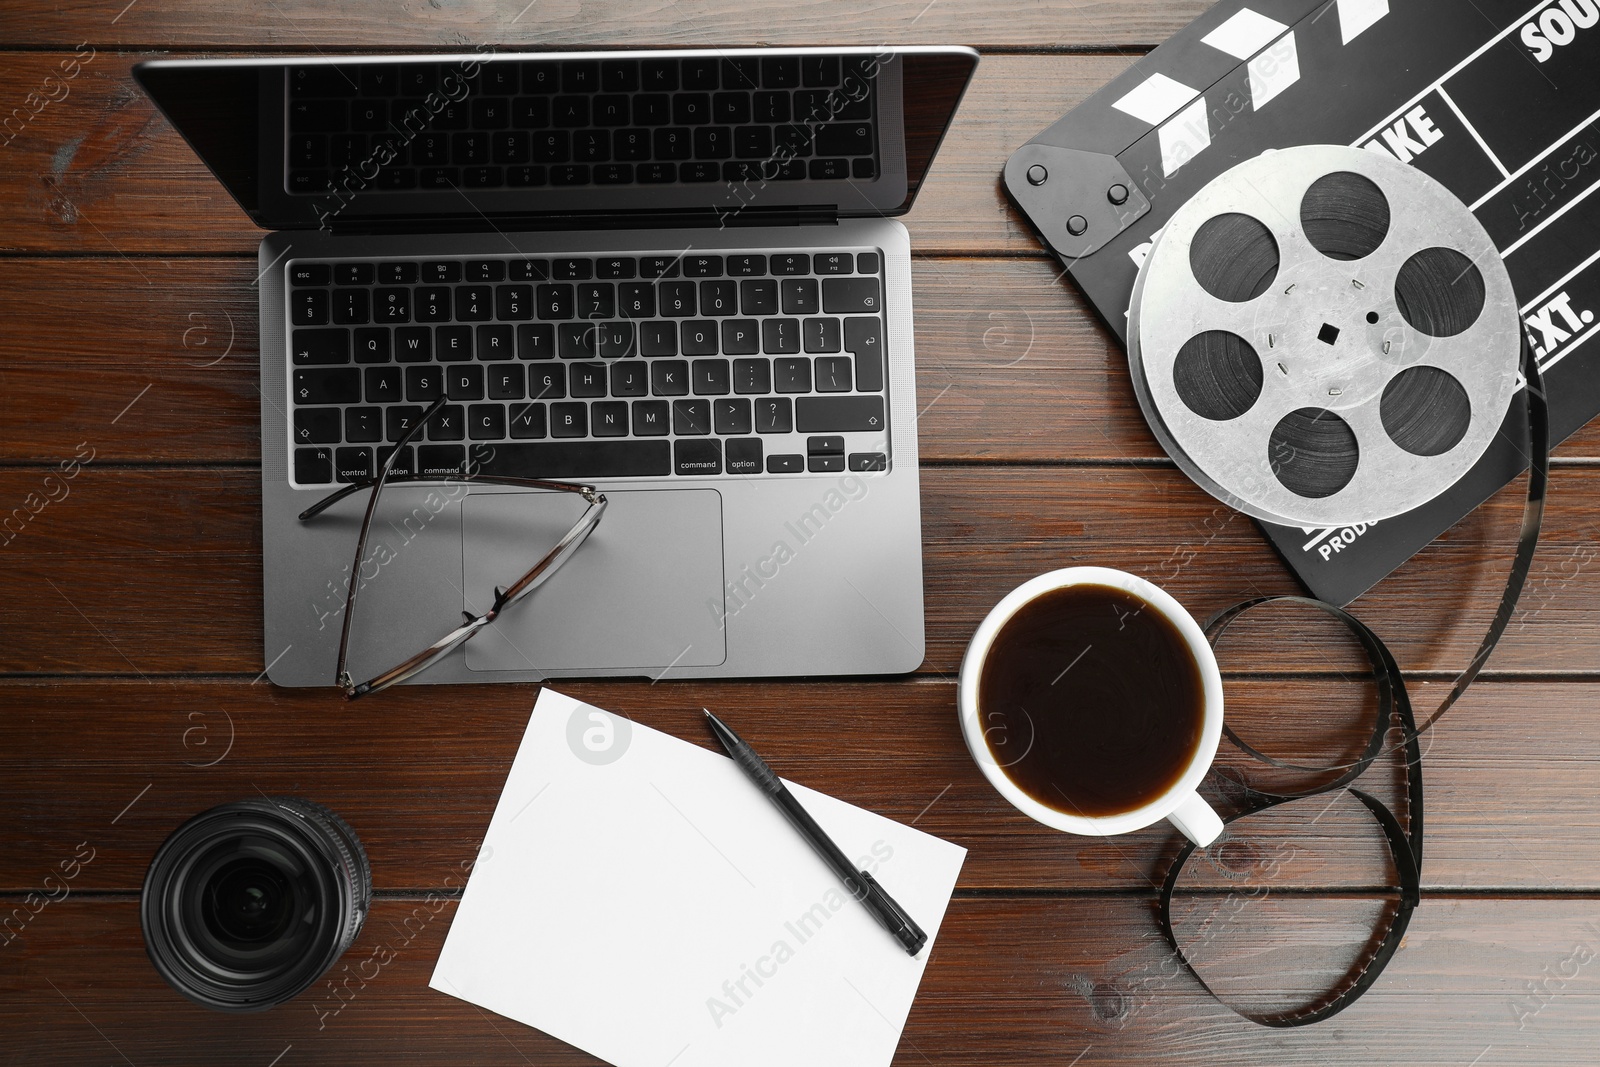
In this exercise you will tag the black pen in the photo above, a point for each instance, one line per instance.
(862, 886)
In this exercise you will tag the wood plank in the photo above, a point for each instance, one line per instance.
(369, 25)
(118, 765)
(1011, 366)
(158, 571)
(1026, 982)
(101, 172)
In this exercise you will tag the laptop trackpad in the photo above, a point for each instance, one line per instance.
(633, 597)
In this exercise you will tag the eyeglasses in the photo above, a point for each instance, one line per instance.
(504, 596)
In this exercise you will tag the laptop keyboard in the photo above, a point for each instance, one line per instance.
(660, 121)
(580, 367)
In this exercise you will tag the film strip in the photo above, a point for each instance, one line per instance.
(1325, 335)
(1501, 105)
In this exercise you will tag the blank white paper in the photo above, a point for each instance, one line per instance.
(639, 898)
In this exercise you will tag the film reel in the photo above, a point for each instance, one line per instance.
(1323, 336)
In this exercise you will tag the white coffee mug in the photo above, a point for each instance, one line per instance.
(1180, 804)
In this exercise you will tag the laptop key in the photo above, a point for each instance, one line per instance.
(392, 305)
(342, 386)
(494, 342)
(740, 337)
(383, 385)
(629, 379)
(320, 347)
(677, 299)
(569, 420)
(658, 339)
(309, 307)
(786, 464)
(404, 463)
(692, 458)
(447, 424)
(352, 464)
(699, 337)
(362, 425)
(833, 374)
(579, 459)
(547, 382)
(609, 418)
(719, 298)
(747, 266)
(506, 382)
(536, 340)
(616, 340)
(650, 418)
(850, 296)
(821, 335)
(731, 416)
(316, 426)
(780, 337)
(454, 342)
(869, 461)
(413, 344)
(464, 383)
(710, 377)
(474, 303)
(486, 422)
(791, 263)
(758, 297)
(752, 376)
(431, 304)
(398, 421)
(587, 379)
(439, 460)
(578, 340)
(774, 415)
(864, 337)
(743, 455)
(424, 383)
(527, 421)
(351, 306)
(839, 414)
(824, 464)
(800, 296)
(792, 375)
(310, 274)
(313, 466)
(669, 378)
(555, 300)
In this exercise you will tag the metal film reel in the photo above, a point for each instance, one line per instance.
(1324, 336)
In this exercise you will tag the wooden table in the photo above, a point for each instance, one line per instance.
(130, 604)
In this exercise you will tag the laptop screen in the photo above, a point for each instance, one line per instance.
(545, 138)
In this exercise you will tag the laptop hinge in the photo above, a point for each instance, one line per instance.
(713, 218)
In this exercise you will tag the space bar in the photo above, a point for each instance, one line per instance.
(575, 459)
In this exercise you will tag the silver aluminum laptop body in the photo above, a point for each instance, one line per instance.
(689, 575)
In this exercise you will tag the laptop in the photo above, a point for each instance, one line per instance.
(674, 275)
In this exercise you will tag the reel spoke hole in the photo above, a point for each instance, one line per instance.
(1234, 257)
(1313, 452)
(1426, 411)
(1218, 375)
(1440, 292)
(1344, 215)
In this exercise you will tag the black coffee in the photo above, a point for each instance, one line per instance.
(1091, 701)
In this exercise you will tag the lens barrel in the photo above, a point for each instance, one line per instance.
(248, 904)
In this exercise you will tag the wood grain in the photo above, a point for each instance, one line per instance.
(1015, 981)
(119, 765)
(366, 25)
(130, 613)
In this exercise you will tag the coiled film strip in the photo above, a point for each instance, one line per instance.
(1276, 257)
(1323, 336)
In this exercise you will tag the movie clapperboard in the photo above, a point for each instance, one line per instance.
(1497, 99)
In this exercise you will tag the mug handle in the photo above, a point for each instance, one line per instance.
(1195, 818)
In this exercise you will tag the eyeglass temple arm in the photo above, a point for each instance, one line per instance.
(530, 581)
(343, 675)
(401, 479)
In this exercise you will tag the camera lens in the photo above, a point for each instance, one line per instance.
(246, 905)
